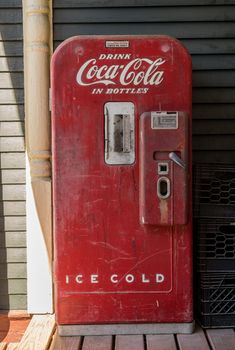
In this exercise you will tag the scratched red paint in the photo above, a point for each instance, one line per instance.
(109, 267)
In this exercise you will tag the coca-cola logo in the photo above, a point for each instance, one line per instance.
(138, 71)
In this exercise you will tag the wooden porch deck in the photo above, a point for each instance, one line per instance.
(41, 334)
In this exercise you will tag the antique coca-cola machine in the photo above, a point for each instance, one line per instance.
(121, 129)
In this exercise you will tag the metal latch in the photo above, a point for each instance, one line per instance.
(176, 159)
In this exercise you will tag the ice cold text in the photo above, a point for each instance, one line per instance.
(116, 279)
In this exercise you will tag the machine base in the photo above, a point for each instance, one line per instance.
(114, 329)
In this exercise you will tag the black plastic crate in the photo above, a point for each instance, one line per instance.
(215, 244)
(214, 190)
(216, 300)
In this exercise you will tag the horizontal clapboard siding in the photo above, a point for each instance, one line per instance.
(205, 27)
(13, 192)
(189, 29)
(12, 255)
(13, 223)
(11, 15)
(13, 239)
(15, 271)
(11, 96)
(12, 128)
(213, 95)
(135, 3)
(9, 49)
(14, 286)
(145, 14)
(213, 62)
(213, 111)
(11, 80)
(12, 144)
(11, 112)
(11, 32)
(219, 127)
(12, 4)
(13, 301)
(198, 46)
(11, 64)
(13, 274)
(13, 176)
(13, 208)
(12, 160)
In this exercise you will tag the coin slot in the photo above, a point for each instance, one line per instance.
(163, 187)
(163, 168)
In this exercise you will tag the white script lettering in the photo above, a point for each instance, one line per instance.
(134, 72)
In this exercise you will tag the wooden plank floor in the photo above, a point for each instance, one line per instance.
(42, 334)
(213, 339)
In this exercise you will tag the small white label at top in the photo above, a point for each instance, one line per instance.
(117, 43)
(164, 120)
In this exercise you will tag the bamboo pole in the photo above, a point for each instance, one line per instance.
(37, 23)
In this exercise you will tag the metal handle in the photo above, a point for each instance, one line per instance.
(176, 159)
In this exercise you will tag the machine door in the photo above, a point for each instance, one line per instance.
(164, 168)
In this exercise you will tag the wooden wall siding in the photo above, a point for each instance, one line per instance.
(205, 27)
(12, 159)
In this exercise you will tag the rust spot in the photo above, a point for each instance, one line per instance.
(163, 205)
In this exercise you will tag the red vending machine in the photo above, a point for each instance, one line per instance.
(121, 126)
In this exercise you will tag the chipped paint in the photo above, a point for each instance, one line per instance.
(164, 214)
